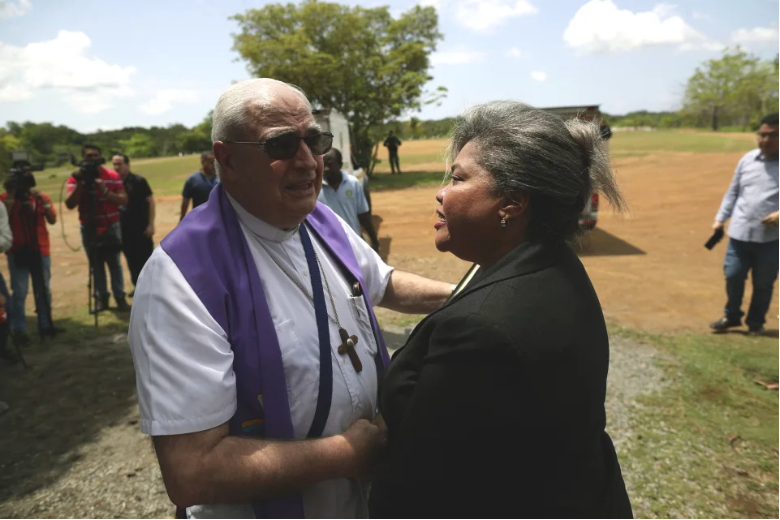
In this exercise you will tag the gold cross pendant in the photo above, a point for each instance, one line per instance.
(348, 347)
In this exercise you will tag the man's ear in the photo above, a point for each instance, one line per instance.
(517, 206)
(222, 156)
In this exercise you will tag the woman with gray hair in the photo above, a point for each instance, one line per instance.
(495, 406)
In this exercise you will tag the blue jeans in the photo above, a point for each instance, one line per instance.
(114, 267)
(20, 285)
(762, 259)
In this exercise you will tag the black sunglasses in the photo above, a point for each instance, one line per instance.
(284, 146)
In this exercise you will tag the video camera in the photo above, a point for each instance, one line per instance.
(21, 179)
(89, 171)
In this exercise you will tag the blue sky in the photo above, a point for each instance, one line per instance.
(95, 64)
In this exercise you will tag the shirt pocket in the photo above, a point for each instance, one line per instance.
(359, 312)
(300, 363)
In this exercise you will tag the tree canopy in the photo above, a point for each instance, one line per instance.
(736, 89)
(361, 61)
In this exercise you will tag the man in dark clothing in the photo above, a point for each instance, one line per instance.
(392, 143)
(199, 184)
(137, 218)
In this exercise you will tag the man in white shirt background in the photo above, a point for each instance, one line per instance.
(257, 353)
(343, 193)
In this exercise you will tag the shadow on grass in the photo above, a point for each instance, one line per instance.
(77, 384)
(601, 243)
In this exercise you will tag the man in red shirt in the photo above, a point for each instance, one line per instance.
(28, 212)
(98, 199)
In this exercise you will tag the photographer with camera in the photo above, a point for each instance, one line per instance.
(29, 256)
(99, 192)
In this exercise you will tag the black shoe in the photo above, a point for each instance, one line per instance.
(121, 304)
(21, 339)
(724, 324)
(101, 304)
(52, 331)
(756, 331)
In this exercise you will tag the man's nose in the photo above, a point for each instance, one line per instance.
(304, 157)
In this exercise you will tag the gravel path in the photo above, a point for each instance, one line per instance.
(116, 473)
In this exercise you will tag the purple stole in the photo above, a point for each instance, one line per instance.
(212, 253)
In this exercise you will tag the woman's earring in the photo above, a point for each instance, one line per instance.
(503, 222)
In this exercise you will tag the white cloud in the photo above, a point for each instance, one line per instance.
(63, 65)
(700, 16)
(539, 76)
(514, 52)
(600, 27)
(431, 3)
(482, 15)
(757, 34)
(165, 99)
(457, 56)
(9, 8)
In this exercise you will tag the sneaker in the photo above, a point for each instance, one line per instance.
(121, 304)
(724, 324)
(756, 331)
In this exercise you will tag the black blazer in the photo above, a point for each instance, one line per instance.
(495, 406)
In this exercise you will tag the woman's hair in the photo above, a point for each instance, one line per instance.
(558, 163)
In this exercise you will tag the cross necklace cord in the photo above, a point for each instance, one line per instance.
(347, 342)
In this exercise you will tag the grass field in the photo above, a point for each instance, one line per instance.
(424, 159)
(706, 445)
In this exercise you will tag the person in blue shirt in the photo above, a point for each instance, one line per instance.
(199, 184)
(751, 204)
(343, 193)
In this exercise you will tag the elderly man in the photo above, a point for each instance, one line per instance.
(751, 204)
(256, 349)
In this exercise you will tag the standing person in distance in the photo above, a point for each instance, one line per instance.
(199, 184)
(100, 223)
(137, 218)
(392, 143)
(751, 204)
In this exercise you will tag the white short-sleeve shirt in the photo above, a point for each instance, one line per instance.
(184, 363)
(348, 201)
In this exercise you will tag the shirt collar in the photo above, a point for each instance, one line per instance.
(760, 156)
(259, 228)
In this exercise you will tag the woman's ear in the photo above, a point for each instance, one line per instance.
(516, 207)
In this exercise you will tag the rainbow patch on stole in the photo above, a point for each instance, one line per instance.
(252, 426)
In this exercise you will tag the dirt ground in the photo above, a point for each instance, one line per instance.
(649, 266)
(71, 444)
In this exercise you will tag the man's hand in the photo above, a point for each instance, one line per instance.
(35, 193)
(101, 187)
(717, 225)
(149, 231)
(365, 440)
(76, 174)
(771, 220)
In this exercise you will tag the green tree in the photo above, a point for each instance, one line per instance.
(139, 145)
(360, 61)
(736, 89)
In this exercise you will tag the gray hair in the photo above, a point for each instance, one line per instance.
(526, 150)
(245, 104)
